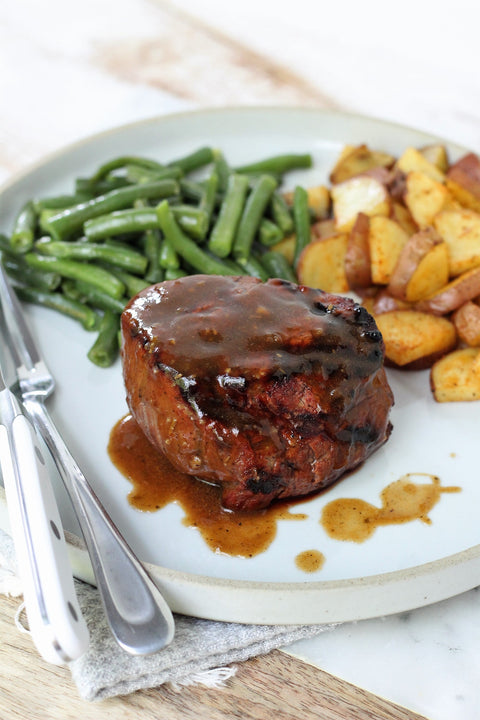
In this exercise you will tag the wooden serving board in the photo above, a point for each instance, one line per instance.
(262, 687)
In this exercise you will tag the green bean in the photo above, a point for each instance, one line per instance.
(56, 301)
(25, 275)
(193, 161)
(88, 293)
(151, 243)
(138, 174)
(191, 190)
(168, 258)
(125, 258)
(254, 177)
(281, 213)
(301, 216)
(120, 222)
(223, 232)
(70, 290)
(193, 220)
(277, 266)
(7, 248)
(24, 228)
(209, 199)
(132, 283)
(105, 349)
(233, 265)
(174, 274)
(278, 164)
(255, 205)
(138, 220)
(254, 267)
(60, 202)
(269, 233)
(68, 221)
(122, 162)
(187, 248)
(83, 185)
(222, 169)
(93, 274)
(118, 243)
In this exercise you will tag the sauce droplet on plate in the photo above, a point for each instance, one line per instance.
(402, 501)
(310, 561)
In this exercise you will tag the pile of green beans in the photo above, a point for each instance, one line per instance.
(135, 222)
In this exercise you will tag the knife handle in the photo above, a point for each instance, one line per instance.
(56, 624)
(139, 618)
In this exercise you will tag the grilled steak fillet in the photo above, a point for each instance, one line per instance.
(270, 390)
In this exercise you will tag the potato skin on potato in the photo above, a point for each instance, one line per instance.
(453, 295)
(463, 181)
(384, 302)
(357, 256)
(467, 323)
(422, 267)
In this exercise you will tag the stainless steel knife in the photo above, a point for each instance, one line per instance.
(139, 618)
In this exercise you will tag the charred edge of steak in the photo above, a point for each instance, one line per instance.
(265, 483)
(367, 434)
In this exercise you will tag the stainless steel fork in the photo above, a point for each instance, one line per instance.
(139, 618)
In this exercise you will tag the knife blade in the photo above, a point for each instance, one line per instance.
(56, 624)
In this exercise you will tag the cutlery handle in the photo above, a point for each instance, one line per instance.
(56, 623)
(138, 616)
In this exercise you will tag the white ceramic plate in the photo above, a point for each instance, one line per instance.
(400, 567)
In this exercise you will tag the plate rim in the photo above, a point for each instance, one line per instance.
(52, 155)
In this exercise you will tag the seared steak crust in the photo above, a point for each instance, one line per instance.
(270, 390)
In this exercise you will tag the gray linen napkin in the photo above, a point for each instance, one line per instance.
(199, 653)
(199, 646)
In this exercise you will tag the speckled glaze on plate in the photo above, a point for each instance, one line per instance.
(400, 567)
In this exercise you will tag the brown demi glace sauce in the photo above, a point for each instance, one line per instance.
(156, 483)
(310, 560)
(402, 501)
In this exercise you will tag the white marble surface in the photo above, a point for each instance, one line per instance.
(68, 69)
(426, 660)
(412, 62)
